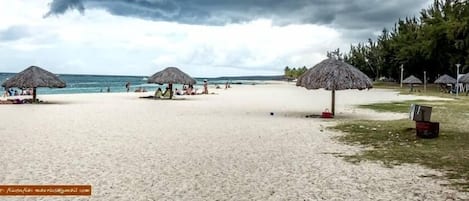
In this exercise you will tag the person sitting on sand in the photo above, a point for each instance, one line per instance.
(25, 92)
(178, 92)
(6, 94)
(158, 93)
(188, 90)
(127, 86)
(167, 93)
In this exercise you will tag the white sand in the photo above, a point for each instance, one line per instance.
(211, 147)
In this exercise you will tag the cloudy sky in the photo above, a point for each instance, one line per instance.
(202, 37)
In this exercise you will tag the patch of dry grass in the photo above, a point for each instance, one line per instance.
(395, 142)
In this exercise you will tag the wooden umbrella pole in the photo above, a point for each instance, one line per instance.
(170, 91)
(333, 102)
(34, 94)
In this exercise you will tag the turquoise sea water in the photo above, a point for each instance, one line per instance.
(100, 83)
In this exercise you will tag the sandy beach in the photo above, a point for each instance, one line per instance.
(224, 146)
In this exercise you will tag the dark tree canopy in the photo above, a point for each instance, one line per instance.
(434, 42)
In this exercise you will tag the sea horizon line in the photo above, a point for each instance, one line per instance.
(143, 76)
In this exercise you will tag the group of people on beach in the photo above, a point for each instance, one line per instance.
(167, 93)
(14, 92)
(227, 85)
(185, 90)
(139, 89)
(107, 90)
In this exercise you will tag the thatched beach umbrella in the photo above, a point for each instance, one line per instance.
(464, 79)
(171, 75)
(445, 79)
(332, 74)
(34, 77)
(411, 80)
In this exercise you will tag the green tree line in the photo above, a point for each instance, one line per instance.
(293, 73)
(434, 42)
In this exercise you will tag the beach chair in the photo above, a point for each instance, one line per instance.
(158, 94)
(166, 94)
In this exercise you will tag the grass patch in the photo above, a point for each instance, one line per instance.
(395, 142)
(399, 107)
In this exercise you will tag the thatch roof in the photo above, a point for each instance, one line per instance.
(412, 80)
(33, 77)
(445, 79)
(464, 79)
(334, 74)
(171, 75)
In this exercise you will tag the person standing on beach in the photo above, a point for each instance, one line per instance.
(205, 87)
(6, 92)
(108, 89)
(127, 86)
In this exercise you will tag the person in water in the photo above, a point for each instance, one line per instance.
(127, 86)
(205, 87)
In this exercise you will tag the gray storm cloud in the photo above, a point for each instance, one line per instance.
(61, 6)
(349, 14)
(15, 33)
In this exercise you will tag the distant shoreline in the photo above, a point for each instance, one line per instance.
(101, 83)
(249, 77)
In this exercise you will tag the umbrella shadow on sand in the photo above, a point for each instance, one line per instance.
(165, 99)
(29, 102)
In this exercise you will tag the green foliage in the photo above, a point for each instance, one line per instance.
(434, 43)
(293, 73)
(335, 54)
